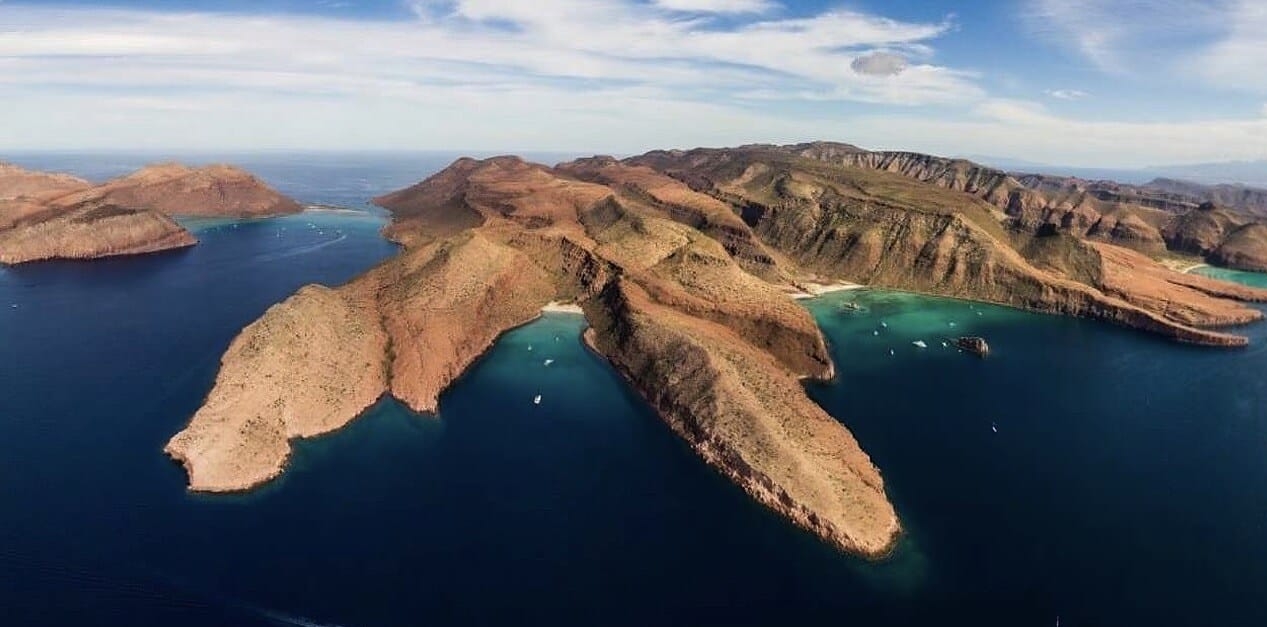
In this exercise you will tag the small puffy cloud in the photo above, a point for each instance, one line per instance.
(879, 64)
(1067, 94)
(717, 6)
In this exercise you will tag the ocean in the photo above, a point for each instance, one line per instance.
(1082, 473)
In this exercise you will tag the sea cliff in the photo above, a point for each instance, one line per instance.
(683, 263)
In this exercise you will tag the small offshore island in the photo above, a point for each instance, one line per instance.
(683, 263)
(56, 216)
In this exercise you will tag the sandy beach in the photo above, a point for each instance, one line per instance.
(812, 290)
(568, 308)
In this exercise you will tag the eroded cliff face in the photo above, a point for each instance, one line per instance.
(55, 216)
(745, 415)
(717, 349)
(682, 262)
(884, 228)
(1163, 215)
(90, 233)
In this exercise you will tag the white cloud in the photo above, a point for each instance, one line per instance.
(717, 6)
(1067, 94)
(553, 44)
(602, 75)
(1027, 130)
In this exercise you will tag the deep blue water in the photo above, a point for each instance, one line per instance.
(1124, 485)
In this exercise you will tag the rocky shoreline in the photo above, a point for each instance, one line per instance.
(682, 264)
(52, 216)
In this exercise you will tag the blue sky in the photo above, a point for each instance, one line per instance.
(1110, 83)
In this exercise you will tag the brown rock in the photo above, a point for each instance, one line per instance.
(682, 261)
(280, 381)
(91, 232)
(54, 216)
(719, 350)
(220, 191)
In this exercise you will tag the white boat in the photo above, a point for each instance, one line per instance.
(875, 333)
(536, 400)
(920, 343)
(884, 324)
(530, 348)
(549, 361)
(994, 426)
(953, 324)
(892, 352)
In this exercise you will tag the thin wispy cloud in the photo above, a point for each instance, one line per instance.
(629, 75)
(599, 42)
(718, 6)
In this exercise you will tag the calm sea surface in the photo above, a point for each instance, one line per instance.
(1082, 471)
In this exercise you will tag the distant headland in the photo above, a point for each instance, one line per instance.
(56, 216)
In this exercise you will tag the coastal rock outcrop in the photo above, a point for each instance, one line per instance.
(717, 349)
(683, 262)
(91, 232)
(55, 216)
(307, 367)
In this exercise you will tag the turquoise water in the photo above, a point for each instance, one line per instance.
(1255, 279)
(1123, 485)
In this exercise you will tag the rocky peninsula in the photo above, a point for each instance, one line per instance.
(55, 216)
(682, 263)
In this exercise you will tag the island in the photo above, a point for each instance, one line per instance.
(56, 216)
(683, 264)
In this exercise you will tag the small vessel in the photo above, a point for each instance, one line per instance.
(536, 400)
(994, 426)
(530, 348)
(884, 324)
(953, 324)
(974, 345)
(875, 333)
(920, 343)
(549, 361)
(944, 345)
(891, 352)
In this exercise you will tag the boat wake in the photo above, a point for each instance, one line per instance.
(301, 250)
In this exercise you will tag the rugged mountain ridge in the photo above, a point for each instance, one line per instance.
(55, 216)
(1149, 218)
(487, 244)
(683, 262)
(1251, 201)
